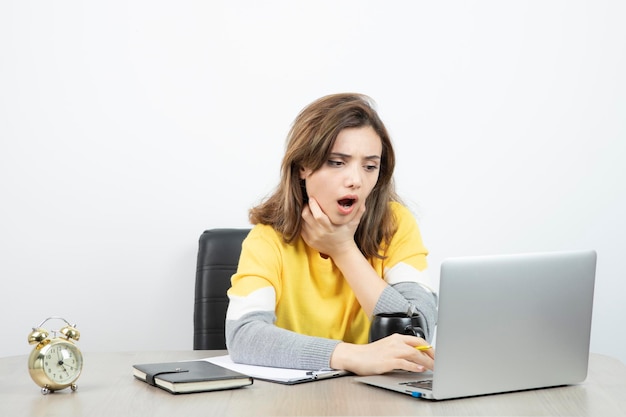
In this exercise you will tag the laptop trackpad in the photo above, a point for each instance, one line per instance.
(422, 384)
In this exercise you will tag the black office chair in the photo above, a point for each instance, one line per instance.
(218, 256)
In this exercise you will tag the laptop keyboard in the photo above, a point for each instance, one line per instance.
(424, 384)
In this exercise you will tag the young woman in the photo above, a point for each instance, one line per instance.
(330, 248)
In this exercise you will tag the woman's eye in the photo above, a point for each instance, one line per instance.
(371, 167)
(334, 163)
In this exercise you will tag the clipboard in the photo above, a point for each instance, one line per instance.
(279, 375)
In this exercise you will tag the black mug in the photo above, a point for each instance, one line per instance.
(386, 324)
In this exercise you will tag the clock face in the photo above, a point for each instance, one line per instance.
(62, 362)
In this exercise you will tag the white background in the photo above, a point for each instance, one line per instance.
(129, 127)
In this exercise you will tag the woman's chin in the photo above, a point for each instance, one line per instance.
(341, 219)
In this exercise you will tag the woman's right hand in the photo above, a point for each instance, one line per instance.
(322, 235)
(390, 353)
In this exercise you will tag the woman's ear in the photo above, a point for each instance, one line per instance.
(304, 172)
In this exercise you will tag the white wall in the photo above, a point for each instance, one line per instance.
(129, 127)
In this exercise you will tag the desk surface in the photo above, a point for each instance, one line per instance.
(107, 388)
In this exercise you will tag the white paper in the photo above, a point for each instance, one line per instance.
(269, 373)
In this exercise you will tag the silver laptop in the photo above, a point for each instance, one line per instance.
(507, 323)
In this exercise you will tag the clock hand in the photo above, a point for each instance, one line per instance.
(60, 356)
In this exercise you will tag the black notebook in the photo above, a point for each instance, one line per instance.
(187, 377)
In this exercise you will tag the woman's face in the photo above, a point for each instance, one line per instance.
(345, 180)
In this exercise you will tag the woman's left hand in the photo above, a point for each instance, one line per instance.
(384, 355)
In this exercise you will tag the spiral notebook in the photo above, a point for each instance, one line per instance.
(190, 376)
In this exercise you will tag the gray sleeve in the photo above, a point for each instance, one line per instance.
(402, 296)
(254, 339)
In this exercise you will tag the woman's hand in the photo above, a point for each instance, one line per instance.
(337, 242)
(322, 235)
(390, 353)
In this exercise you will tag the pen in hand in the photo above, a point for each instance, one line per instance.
(423, 347)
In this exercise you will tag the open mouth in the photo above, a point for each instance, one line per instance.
(347, 202)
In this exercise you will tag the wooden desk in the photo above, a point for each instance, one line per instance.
(107, 388)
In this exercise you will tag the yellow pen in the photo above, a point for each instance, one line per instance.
(423, 347)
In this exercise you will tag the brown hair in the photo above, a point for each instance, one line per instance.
(309, 144)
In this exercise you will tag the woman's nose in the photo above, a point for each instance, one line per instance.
(353, 177)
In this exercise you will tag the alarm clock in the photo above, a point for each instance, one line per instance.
(55, 362)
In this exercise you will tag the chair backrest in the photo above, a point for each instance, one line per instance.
(218, 256)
